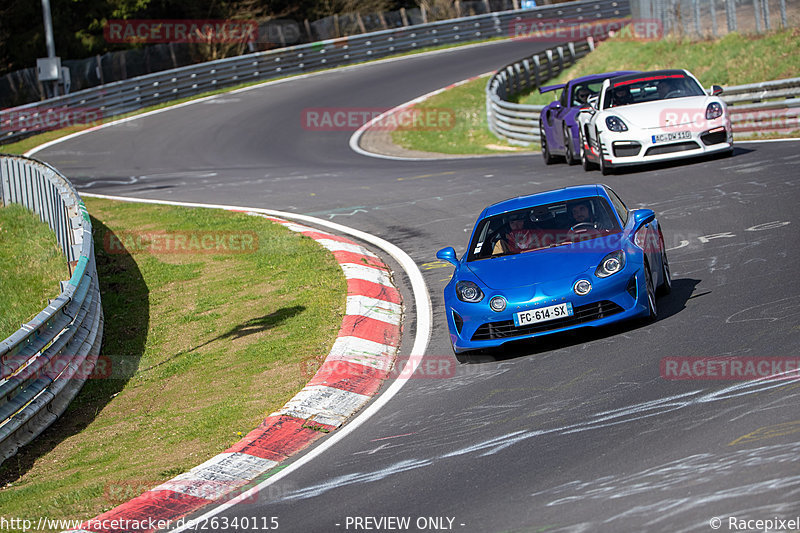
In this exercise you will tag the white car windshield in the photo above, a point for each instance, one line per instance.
(649, 89)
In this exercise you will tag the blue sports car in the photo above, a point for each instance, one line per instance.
(551, 262)
(558, 122)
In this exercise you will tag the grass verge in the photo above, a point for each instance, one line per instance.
(32, 264)
(469, 133)
(731, 60)
(198, 348)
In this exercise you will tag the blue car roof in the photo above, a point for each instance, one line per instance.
(547, 197)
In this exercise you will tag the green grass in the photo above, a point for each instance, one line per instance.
(198, 349)
(469, 133)
(732, 60)
(32, 265)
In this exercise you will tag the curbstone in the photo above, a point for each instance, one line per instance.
(358, 363)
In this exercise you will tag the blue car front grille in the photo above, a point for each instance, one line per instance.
(582, 314)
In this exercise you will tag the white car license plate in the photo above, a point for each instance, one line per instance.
(543, 314)
(673, 136)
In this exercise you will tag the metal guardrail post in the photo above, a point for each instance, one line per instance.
(714, 29)
(757, 13)
(784, 18)
(697, 30)
(730, 12)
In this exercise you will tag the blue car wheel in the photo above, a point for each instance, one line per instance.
(666, 276)
(651, 293)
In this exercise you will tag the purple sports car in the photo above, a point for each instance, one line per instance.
(558, 123)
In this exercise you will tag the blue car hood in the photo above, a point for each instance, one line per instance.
(546, 265)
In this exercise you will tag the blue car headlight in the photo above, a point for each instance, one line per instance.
(611, 264)
(615, 124)
(468, 291)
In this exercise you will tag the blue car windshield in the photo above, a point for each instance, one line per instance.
(541, 227)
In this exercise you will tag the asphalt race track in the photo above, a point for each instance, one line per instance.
(577, 433)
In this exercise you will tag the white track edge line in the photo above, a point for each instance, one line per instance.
(291, 77)
(355, 139)
(422, 303)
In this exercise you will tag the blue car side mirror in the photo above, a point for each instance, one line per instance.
(448, 254)
(642, 217)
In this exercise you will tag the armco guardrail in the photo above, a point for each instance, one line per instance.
(760, 107)
(764, 107)
(519, 123)
(125, 96)
(46, 362)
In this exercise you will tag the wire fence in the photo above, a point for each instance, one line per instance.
(112, 99)
(22, 86)
(714, 18)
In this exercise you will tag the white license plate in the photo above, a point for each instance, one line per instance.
(543, 314)
(673, 136)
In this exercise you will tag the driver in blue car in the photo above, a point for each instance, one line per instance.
(581, 212)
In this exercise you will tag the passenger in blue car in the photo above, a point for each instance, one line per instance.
(519, 238)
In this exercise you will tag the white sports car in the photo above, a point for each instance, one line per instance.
(652, 116)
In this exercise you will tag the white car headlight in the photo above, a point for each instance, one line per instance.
(615, 123)
(714, 110)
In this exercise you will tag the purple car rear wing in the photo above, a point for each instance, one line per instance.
(552, 88)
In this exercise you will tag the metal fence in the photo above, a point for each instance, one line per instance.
(772, 106)
(125, 96)
(712, 18)
(519, 123)
(22, 86)
(46, 362)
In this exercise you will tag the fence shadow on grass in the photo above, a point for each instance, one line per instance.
(126, 311)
